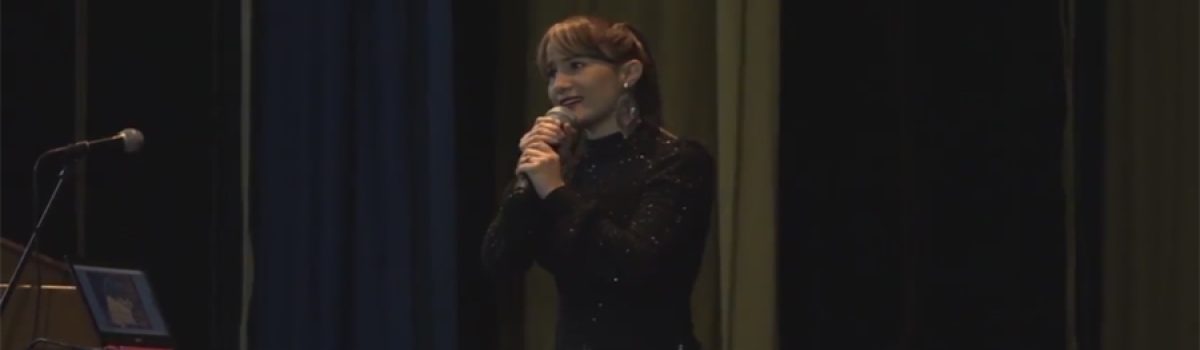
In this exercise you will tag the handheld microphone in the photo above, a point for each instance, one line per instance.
(563, 115)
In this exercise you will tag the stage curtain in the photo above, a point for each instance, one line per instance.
(352, 212)
(748, 124)
(1150, 244)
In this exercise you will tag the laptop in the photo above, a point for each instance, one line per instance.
(122, 307)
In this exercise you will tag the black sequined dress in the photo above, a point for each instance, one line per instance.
(623, 239)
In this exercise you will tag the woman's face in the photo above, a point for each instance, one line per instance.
(588, 87)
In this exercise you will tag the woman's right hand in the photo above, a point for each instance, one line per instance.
(547, 130)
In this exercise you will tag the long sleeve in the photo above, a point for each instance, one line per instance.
(507, 245)
(666, 230)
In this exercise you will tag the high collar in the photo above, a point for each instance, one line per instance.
(618, 143)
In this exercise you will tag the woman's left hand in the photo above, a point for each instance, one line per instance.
(543, 167)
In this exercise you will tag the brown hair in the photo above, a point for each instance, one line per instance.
(616, 43)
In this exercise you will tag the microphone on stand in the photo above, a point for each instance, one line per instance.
(131, 141)
(563, 115)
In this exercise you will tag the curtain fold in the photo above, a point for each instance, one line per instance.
(352, 179)
(747, 123)
(1151, 241)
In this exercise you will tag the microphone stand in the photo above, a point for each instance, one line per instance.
(12, 280)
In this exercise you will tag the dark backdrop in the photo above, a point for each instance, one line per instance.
(922, 191)
(171, 70)
(921, 163)
(353, 209)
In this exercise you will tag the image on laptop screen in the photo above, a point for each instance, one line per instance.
(120, 301)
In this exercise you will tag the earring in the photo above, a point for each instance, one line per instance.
(628, 120)
(625, 85)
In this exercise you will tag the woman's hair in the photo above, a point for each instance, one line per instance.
(616, 43)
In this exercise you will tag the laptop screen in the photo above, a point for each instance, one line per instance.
(120, 301)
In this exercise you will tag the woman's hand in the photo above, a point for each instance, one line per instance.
(550, 131)
(541, 163)
(543, 149)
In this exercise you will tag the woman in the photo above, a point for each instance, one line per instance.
(620, 220)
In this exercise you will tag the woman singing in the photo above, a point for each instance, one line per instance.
(620, 217)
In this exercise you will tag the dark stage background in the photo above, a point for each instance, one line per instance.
(924, 188)
(169, 69)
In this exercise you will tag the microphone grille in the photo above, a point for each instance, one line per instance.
(133, 140)
(562, 114)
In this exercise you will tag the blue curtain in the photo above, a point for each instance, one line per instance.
(352, 173)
